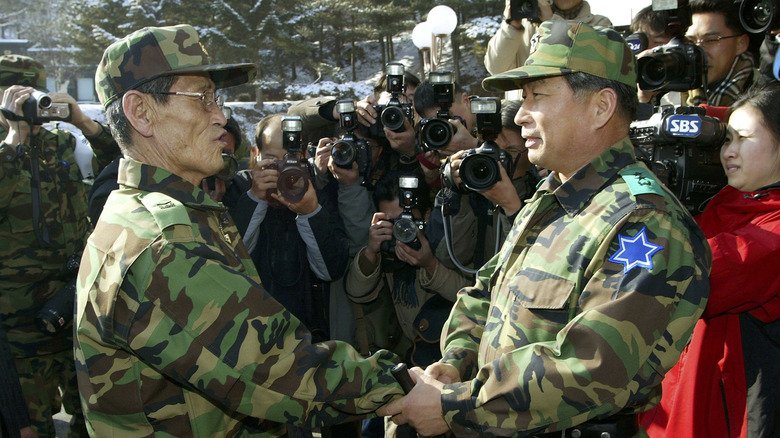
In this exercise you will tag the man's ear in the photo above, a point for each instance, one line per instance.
(138, 111)
(604, 106)
(743, 42)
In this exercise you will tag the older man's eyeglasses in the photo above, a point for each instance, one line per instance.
(710, 40)
(208, 97)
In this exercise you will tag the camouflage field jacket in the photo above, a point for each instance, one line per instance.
(588, 304)
(177, 337)
(31, 273)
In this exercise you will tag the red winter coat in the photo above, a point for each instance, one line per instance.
(731, 357)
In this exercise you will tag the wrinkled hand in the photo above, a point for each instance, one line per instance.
(421, 408)
(263, 179)
(443, 372)
(219, 189)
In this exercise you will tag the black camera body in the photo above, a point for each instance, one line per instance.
(393, 114)
(681, 145)
(435, 133)
(759, 16)
(405, 226)
(39, 109)
(58, 311)
(479, 167)
(519, 9)
(676, 66)
(295, 173)
(349, 148)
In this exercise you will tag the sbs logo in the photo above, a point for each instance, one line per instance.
(683, 125)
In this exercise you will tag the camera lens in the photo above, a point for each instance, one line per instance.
(43, 99)
(437, 134)
(655, 71)
(479, 172)
(343, 153)
(293, 183)
(757, 16)
(393, 118)
(405, 230)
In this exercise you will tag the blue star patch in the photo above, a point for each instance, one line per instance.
(635, 251)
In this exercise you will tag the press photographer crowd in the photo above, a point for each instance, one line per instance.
(592, 255)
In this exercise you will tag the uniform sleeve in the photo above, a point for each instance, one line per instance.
(444, 281)
(105, 148)
(361, 282)
(632, 319)
(356, 210)
(327, 247)
(744, 271)
(509, 47)
(239, 347)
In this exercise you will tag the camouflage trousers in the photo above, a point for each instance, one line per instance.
(49, 383)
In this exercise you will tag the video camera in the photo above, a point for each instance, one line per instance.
(519, 9)
(393, 114)
(435, 133)
(681, 146)
(39, 109)
(759, 16)
(349, 148)
(295, 172)
(57, 312)
(405, 226)
(479, 168)
(676, 66)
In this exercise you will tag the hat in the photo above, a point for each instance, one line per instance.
(562, 47)
(152, 52)
(22, 70)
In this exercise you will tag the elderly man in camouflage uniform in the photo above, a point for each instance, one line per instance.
(571, 327)
(175, 334)
(43, 224)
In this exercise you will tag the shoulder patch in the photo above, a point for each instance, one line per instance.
(165, 210)
(641, 181)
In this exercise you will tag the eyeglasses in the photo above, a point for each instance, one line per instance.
(710, 40)
(208, 97)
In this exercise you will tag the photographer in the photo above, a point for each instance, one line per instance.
(43, 226)
(511, 44)
(731, 70)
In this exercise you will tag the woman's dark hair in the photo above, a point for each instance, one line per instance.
(765, 99)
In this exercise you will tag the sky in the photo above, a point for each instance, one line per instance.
(618, 11)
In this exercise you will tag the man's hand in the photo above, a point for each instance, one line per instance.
(462, 139)
(422, 258)
(402, 142)
(322, 156)
(366, 113)
(345, 177)
(504, 194)
(381, 229)
(219, 189)
(263, 179)
(443, 372)
(421, 408)
(78, 119)
(305, 206)
(12, 100)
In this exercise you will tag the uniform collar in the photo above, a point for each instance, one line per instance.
(137, 175)
(575, 193)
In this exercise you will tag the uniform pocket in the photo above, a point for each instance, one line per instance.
(535, 289)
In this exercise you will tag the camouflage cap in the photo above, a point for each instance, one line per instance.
(21, 70)
(152, 52)
(562, 47)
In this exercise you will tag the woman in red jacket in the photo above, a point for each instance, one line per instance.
(726, 382)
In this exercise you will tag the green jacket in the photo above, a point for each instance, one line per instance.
(176, 336)
(30, 272)
(589, 303)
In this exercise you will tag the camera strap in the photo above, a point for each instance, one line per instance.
(39, 221)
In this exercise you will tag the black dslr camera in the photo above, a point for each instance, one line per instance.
(479, 168)
(39, 109)
(435, 133)
(519, 9)
(405, 226)
(759, 16)
(681, 145)
(393, 114)
(349, 148)
(676, 66)
(294, 170)
(58, 311)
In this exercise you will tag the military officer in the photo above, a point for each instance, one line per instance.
(175, 334)
(599, 284)
(43, 228)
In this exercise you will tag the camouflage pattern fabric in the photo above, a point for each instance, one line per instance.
(152, 52)
(563, 47)
(21, 70)
(177, 337)
(589, 303)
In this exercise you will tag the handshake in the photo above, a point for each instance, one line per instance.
(421, 406)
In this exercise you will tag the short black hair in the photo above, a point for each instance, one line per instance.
(582, 83)
(648, 18)
(423, 96)
(409, 79)
(387, 188)
(115, 114)
(728, 8)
